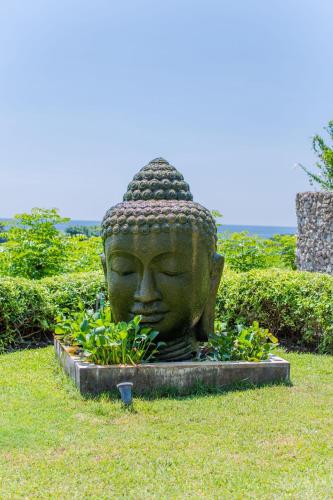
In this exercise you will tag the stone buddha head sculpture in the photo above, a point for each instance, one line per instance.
(160, 259)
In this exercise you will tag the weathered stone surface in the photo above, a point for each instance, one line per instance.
(315, 231)
(160, 260)
(183, 376)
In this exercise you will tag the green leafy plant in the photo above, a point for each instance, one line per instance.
(2, 232)
(217, 216)
(26, 312)
(88, 231)
(251, 343)
(244, 252)
(325, 164)
(281, 251)
(295, 306)
(83, 254)
(28, 307)
(67, 291)
(104, 342)
(34, 248)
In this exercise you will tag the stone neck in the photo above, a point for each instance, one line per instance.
(181, 349)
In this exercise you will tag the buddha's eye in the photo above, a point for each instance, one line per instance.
(122, 265)
(172, 273)
(122, 273)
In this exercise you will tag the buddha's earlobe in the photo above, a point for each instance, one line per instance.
(206, 323)
(103, 261)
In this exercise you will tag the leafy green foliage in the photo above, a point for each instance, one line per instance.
(282, 250)
(26, 311)
(67, 291)
(83, 254)
(217, 216)
(240, 343)
(244, 252)
(28, 307)
(107, 343)
(325, 164)
(2, 231)
(297, 307)
(87, 231)
(34, 247)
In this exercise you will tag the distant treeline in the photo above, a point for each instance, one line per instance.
(88, 231)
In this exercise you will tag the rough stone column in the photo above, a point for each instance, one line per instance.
(315, 231)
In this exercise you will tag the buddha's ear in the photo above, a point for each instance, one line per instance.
(206, 323)
(103, 261)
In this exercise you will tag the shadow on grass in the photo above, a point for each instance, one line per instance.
(197, 391)
(30, 345)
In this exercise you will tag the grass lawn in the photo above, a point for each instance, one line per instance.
(267, 442)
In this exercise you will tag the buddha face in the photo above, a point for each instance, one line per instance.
(164, 277)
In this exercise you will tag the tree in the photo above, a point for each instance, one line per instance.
(34, 248)
(88, 231)
(2, 230)
(325, 164)
(217, 216)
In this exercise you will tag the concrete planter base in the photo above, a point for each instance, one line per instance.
(182, 376)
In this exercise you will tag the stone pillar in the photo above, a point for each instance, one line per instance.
(315, 231)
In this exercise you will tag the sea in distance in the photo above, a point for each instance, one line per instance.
(263, 231)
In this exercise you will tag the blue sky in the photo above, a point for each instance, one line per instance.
(230, 92)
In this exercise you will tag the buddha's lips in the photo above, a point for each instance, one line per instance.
(148, 316)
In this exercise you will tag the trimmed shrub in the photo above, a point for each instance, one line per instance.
(25, 311)
(28, 307)
(68, 290)
(297, 307)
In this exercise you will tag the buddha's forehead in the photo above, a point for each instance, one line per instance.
(151, 245)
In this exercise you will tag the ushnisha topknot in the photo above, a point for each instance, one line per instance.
(158, 181)
(159, 200)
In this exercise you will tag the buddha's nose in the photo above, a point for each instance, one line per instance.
(147, 290)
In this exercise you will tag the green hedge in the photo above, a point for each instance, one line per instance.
(28, 307)
(25, 310)
(67, 290)
(296, 306)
